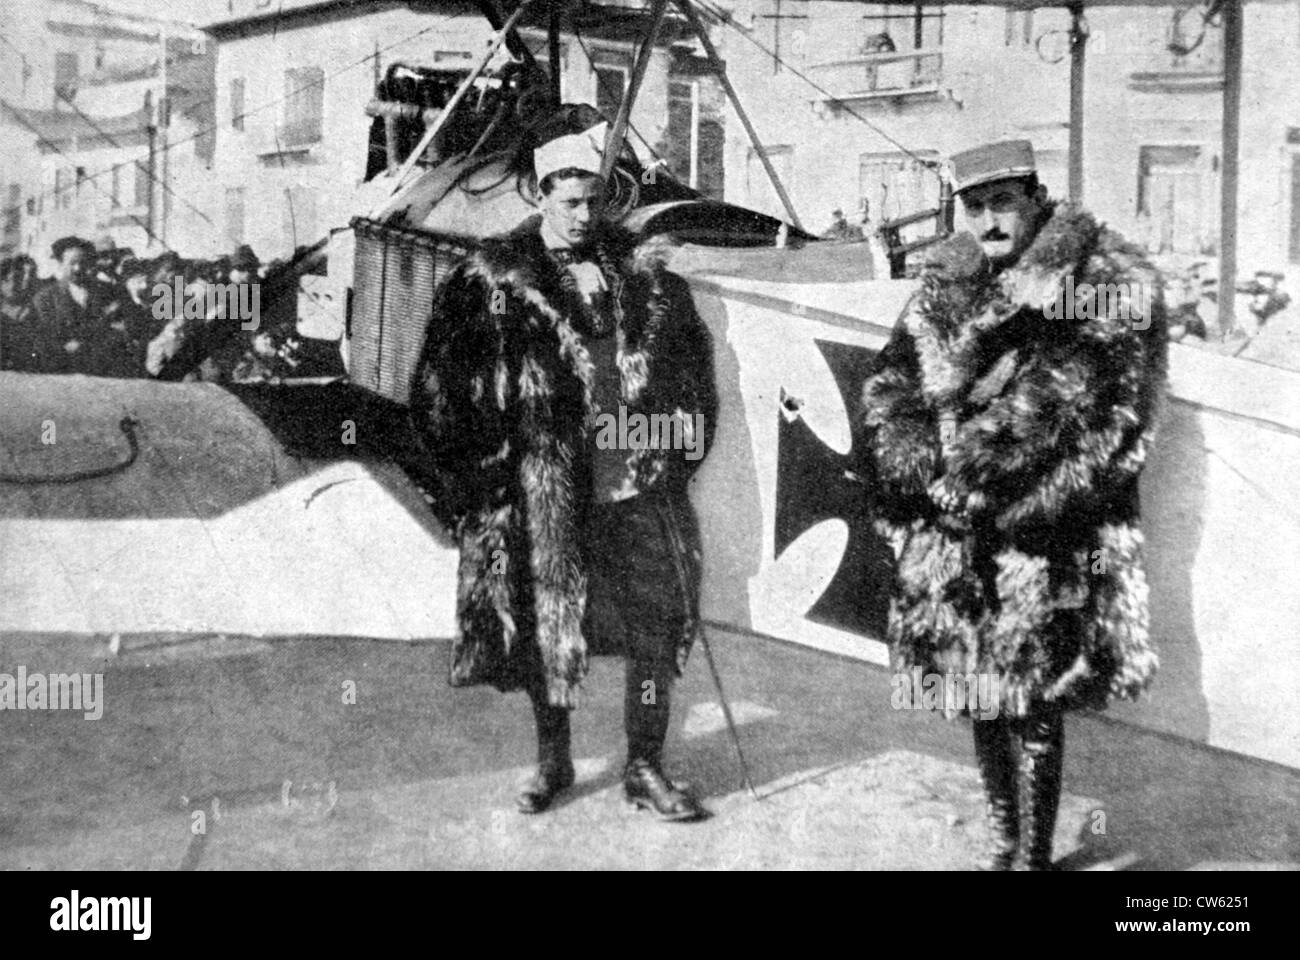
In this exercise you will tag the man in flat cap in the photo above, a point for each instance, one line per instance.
(572, 536)
(1006, 423)
(71, 328)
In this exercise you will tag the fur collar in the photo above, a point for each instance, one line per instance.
(963, 305)
(518, 255)
(517, 263)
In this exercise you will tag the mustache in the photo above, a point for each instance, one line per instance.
(994, 234)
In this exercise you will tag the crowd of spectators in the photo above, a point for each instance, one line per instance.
(109, 313)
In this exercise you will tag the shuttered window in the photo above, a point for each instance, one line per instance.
(237, 103)
(234, 217)
(304, 104)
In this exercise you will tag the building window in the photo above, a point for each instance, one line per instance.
(611, 82)
(694, 141)
(62, 189)
(13, 214)
(1294, 245)
(65, 77)
(897, 184)
(237, 103)
(304, 103)
(759, 193)
(234, 217)
(1019, 28)
(1170, 198)
(115, 189)
(142, 185)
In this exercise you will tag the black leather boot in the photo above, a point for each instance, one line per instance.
(1041, 758)
(646, 788)
(645, 719)
(554, 760)
(996, 759)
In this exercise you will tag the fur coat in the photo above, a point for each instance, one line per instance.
(502, 397)
(1006, 423)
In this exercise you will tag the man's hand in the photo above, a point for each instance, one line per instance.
(72, 346)
(591, 281)
(950, 497)
(1037, 290)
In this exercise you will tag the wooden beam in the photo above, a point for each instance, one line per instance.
(1232, 46)
(695, 135)
(491, 11)
(721, 72)
(553, 49)
(614, 143)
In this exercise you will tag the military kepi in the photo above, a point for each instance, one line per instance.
(992, 161)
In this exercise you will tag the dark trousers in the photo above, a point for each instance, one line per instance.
(636, 605)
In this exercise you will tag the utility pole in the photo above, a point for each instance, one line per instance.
(164, 120)
(1231, 165)
(720, 71)
(151, 116)
(1078, 63)
(695, 134)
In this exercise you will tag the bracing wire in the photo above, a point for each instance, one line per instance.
(252, 110)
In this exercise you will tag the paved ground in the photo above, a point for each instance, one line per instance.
(424, 776)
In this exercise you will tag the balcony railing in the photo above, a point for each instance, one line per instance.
(285, 138)
(908, 73)
(1170, 71)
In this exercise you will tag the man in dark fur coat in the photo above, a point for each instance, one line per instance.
(1007, 421)
(575, 535)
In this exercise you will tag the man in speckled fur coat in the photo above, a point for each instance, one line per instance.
(1006, 423)
(570, 541)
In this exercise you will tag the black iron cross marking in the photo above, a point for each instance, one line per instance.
(813, 484)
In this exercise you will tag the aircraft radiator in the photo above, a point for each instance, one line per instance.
(396, 271)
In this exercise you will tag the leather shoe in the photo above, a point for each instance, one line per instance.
(539, 793)
(646, 788)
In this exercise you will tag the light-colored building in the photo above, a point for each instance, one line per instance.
(1153, 154)
(294, 82)
(854, 102)
(864, 101)
(890, 90)
(100, 122)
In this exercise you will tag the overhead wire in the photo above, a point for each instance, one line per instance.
(147, 172)
(712, 11)
(253, 110)
(577, 33)
(63, 153)
(723, 17)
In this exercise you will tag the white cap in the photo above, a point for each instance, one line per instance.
(579, 151)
